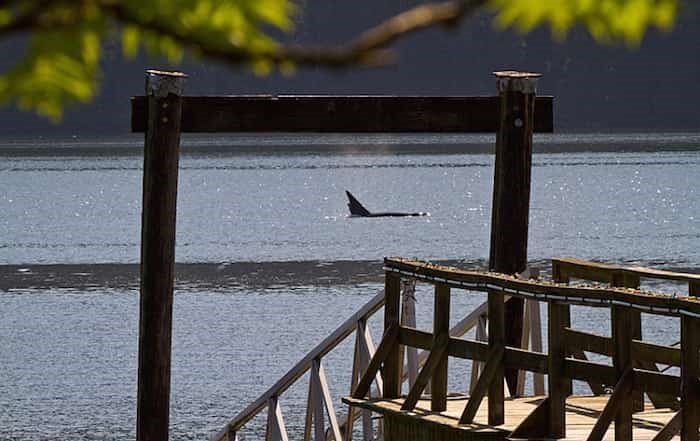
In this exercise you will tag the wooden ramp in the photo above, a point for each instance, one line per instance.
(582, 412)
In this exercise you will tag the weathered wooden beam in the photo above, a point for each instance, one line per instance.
(318, 376)
(510, 210)
(630, 280)
(487, 377)
(616, 403)
(386, 346)
(622, 333)
(478, 366)
(476, 350)
(534, 426)
(690, 386)
(587, 341)
(657, 383)
(329, 113)
(441, 332)
(391, 374)
(437, 353)
(583, 295)
(160, 170)
(558, 380)
(497, 339)
(276, 430)
(568, 267)
(670, 429)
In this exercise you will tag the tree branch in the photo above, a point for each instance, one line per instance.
(369, 48)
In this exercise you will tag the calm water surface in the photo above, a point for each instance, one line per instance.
(68, 328)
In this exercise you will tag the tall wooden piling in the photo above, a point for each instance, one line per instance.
(161, 154)
(511, 192)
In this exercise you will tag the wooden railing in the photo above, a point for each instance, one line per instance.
(630, 355)
(319, 403)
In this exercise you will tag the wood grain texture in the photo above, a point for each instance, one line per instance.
(329, 113)
(690, 386)
(497, 341)
(582, 412)
(441, 332)
(391, 373)
(158, 223)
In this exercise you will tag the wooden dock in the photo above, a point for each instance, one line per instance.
(635, 398)
(582, 412)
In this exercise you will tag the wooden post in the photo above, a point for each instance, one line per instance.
(441, 331)
(558, 383)
(511, 192)
(164, 90)
(496, 414)
(391, 374)
(560, 275)
(622, 333)
(629, 280)
(690, 387)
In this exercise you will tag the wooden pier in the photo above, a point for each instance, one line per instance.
(632, 397)
(673, 405)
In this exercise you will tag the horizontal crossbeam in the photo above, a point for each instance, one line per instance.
(330, 113)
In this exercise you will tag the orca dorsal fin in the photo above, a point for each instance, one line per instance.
(356, 208)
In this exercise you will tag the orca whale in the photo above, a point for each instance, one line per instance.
(358, 210)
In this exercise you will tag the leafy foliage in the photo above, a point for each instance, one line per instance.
(61, 64)
(62, 61)
(606, 20)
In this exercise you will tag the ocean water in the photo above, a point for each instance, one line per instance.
(269, 262)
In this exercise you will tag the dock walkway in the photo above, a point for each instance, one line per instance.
(582, 412)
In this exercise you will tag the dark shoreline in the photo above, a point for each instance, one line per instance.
(343, 144)
(235, 275)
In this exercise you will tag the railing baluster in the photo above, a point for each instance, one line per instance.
(367, 351)
(276, 430)
(524, 344)
(441, 331)
(690, 389)
(477, 366)
(408, 318)
(497, 339)
(536, 339)
(308, 421)
(622, 332)
(317, 403)
(393, 364)
(350, 419)
(558, 383)
(324, 396)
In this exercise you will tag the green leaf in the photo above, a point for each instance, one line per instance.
(131, 40)
(5, 16)
(606, 20)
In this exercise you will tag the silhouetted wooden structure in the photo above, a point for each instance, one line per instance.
(515, 114)
(674, 399)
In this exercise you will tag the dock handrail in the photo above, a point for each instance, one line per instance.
(476, 318)
(544, 290)
(623, 298)
(330, 342)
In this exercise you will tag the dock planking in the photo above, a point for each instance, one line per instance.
(582, 412)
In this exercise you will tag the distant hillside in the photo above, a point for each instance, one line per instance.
(597, 88)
